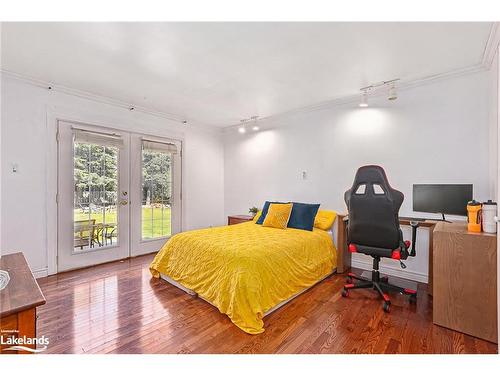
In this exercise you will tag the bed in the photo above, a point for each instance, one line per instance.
(246, 270)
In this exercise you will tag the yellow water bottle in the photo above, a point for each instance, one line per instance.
(474, 216)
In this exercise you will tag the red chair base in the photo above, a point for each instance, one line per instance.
(379, 284)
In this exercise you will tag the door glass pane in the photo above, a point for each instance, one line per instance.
(95, 196)
(156, 193)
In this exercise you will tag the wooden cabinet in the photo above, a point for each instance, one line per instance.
(18, 302)
(237, 219)
(465, 280)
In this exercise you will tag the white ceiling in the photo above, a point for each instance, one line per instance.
(219, 73)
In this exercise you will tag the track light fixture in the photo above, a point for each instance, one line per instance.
(391, 93)
(255, 127)
(243, 127)
(364, 99)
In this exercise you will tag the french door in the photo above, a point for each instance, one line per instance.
(155, 185)
(119, 194)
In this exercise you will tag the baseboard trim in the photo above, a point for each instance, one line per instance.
(43, 272)
(392, 271)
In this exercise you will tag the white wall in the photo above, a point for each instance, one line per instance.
(496, 69)
(0, 141)
(493, 121)
(425, 136)
(25, 141)
(435, 133)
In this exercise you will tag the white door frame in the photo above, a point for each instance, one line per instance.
(54, 114)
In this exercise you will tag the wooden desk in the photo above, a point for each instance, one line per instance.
(18, 301)
(344, 256)
(465, 280)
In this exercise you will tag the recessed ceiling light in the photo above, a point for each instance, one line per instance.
(242, 129)
(255, 128)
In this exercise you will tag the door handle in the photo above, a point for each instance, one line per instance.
(124, 202)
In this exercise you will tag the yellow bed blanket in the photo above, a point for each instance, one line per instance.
(246, 269)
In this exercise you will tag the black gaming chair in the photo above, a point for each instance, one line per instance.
(373, 229)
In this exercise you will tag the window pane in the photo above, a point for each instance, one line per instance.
(95, 196)
(156, 194)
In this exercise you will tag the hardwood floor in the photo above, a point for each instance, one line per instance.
(118, 308)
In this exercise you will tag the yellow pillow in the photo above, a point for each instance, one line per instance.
(278, 215)
(324, 219)
(257, 215)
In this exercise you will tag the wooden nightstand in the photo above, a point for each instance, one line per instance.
(237, 219)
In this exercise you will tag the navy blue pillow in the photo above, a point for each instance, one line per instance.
(302, 216)
(260, 220)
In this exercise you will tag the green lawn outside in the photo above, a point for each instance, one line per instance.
(154, 222)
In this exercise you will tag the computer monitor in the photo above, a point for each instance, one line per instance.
(442, 198)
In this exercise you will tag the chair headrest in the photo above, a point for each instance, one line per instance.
(371, 174)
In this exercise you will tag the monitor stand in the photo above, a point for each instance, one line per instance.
(443, 219)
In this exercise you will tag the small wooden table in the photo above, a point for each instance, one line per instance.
(18, 301)
(236, 219)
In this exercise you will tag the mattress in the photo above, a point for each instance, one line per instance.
(245, 270)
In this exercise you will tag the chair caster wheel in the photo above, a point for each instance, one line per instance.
(387, 307)
(345, 292)
(413, 299)
(348, 280)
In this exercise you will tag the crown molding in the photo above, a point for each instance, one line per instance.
(491, 48)
(109, 101)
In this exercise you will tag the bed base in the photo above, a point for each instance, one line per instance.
(270, 311)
